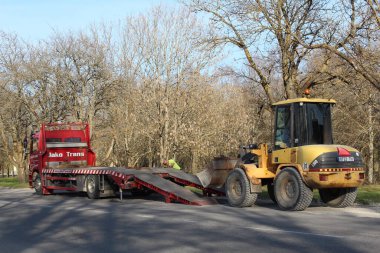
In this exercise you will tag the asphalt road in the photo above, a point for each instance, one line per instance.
(73, 223)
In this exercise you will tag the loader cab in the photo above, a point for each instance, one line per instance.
(302, 121)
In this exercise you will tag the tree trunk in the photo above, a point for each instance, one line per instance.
(370, 144)
(288, 75)
(20, 163)
(376, 164)
(164, 132)
(194, 161)
(110, 151)
(290, 88)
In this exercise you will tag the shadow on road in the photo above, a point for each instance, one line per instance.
(73, 223)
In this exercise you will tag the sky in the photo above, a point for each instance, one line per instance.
(35, 20)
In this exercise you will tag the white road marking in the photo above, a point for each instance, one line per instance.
(189, 221)
(147, 216)
(360, 213)
(69, 208)
(363, 213)
(92, 210)
(269, 229)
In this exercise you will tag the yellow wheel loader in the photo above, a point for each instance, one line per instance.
(303, 157)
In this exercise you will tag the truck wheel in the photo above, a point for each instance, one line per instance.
(92, 187)
(238, 189)
(338, 197)
(37, 185)
(270, 188)
(291, 192)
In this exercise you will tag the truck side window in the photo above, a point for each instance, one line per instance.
(283, 126)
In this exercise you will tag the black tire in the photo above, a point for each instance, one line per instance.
(270, 188)
(37, 184)
(92, 186)
(238, 189)
(291, 192)
(338, 197)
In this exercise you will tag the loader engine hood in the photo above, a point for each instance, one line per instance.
(317, 157)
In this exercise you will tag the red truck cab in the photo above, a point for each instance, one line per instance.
(59, 145)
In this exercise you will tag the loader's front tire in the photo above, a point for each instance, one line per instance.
(338, 197)
(291, 192)
(93, 186)
(238, 189)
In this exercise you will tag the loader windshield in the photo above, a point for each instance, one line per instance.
(318, 123)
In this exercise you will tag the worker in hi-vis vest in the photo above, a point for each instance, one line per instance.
(171, 163)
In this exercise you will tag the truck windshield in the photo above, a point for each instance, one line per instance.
(318, 117)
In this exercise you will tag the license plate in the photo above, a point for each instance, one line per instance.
(346, 159)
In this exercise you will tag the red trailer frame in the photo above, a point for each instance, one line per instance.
(61, 158)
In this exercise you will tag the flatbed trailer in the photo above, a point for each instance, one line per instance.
(61, 159)
(165, 181)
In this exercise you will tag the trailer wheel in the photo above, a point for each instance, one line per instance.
(291, 192)
(338, 197)
(37, 185)
(270, 188)
(238, 189)
(92, 187)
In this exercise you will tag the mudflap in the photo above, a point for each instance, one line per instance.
(256, 188)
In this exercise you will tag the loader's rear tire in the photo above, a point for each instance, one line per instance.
(291, 192)
(37, 184)
(238, 189)
(92, 186)
(270, 188)
(338, 197)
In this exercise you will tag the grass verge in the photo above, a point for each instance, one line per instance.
(12, 182)
(368, 195)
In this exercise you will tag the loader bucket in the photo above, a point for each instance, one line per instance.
(215, 175)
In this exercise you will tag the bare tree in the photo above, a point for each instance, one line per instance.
(15, 107)
(347, 37)
(375, 10)
(166, 59)
(81, 66)
(264, 31)
(357, 114)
